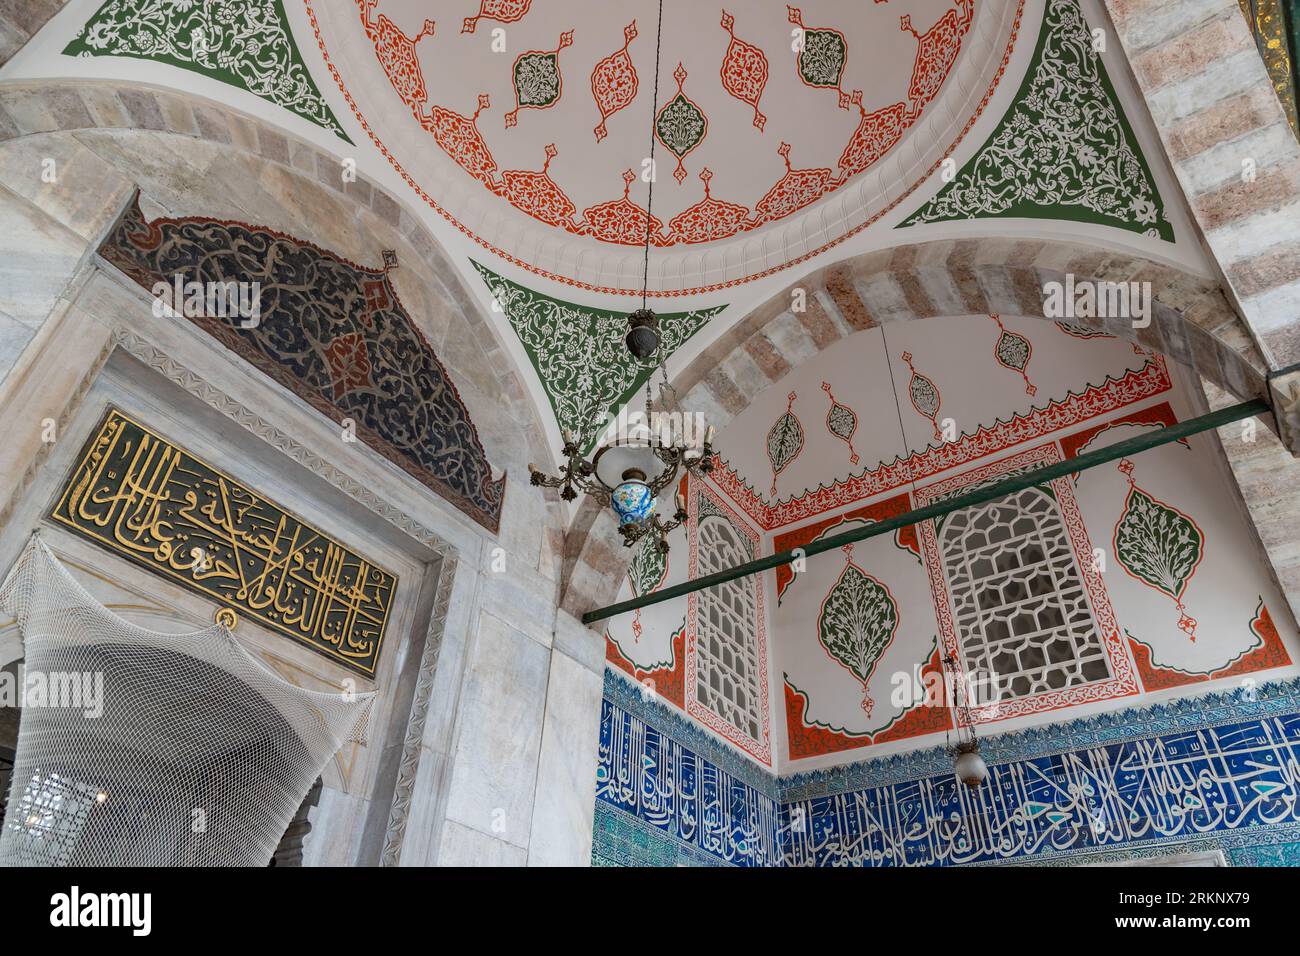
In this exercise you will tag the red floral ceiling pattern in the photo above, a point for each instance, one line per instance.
(774, 109)
(825, 55)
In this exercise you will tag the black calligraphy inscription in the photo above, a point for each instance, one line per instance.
(158, 506)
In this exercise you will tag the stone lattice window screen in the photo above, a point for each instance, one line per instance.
(1019, 601)
(727, 659)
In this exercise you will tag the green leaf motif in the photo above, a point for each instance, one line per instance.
(1157, 544)
(648, 568)
(841, 421)
(578, 351)
(858, 621)
(245, 43)
(1064, 150)
(924, 395)
(784, 442)
(680, 126)
(1013, 351)
(1081, 331)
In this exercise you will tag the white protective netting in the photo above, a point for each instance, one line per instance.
(198, 756)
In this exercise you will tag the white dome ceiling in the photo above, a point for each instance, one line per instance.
(781, 131)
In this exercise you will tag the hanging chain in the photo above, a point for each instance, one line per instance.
(650, 198)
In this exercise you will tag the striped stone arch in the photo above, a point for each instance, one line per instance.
(1235, 155)
(1192, 323)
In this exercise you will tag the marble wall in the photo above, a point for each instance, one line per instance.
(490, 753)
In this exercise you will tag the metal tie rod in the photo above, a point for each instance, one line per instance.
(1038, 476)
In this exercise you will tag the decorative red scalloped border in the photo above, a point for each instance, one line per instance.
(1267, 654)
(1132, 386)
(814, 740)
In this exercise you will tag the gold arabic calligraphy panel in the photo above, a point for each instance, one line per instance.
(158, 506)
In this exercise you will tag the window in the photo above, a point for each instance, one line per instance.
(50, 813)
(1019, 602)
(726, 649)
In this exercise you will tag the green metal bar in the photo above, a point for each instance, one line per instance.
(1121, 449)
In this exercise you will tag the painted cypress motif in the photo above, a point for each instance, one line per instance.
(614, 81)
(502, 11)
(1013, 351)
(244, 43)
(645, 573)
(744, 70)
(1159, 545)
(823, 54)
(1064, 150)
(842, 422)
(784, 440)
(857, 623)
(681, 125)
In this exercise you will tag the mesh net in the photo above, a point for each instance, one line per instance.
(144, 749)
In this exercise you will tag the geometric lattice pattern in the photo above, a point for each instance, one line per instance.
(1020, 604)
(726, 648)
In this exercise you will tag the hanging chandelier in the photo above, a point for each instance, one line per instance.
(628, 471)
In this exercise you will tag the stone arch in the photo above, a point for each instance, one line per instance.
(1231, 148)
(361, 216)
(1192, 322)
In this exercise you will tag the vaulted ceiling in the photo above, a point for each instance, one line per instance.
(785, 138)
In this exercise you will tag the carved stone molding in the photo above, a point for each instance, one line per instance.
(409, 766)
(69, 409)
(195, 385)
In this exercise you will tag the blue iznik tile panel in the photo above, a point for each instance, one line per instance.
(1219, 772)
(1173, 788)
(661, 802)
(1214, 772)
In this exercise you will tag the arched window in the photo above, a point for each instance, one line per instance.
(726, 647)
(1019, 602)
